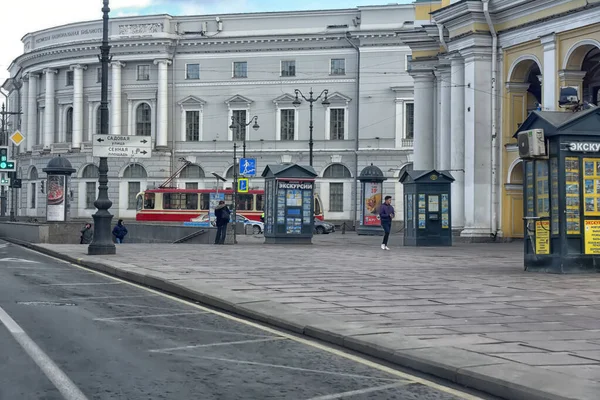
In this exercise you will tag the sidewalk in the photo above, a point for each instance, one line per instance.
(467, 313)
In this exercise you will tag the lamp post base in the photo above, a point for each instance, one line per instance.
(102, 243)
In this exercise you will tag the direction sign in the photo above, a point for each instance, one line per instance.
(17, 138)
(243, 185)
(122, 146)
(248, 166)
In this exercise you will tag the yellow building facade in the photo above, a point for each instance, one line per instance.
(514, 56)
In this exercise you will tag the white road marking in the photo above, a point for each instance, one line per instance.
(108, 297)
(306, 342)
(21, 260)
(60, 380)
(140, 306)
(360, 391)
(81, 284)
(148, 316)
(3, 246)
(216, 344)
(197, 329)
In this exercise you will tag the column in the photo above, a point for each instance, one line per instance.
(25, 117)
(32, 111)
(115, 110)
(130, 118)
(444, 120)
(399, 123)
(457, 140)
(50, 110)
(77, 106)
(162, 103)
(423, 137)
(62, 132)
(549, 87)
(91, 121)
(478, 140)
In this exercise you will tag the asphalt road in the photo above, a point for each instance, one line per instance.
(66, 332)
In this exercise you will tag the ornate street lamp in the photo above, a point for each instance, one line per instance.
(310, 100)
(235, 122)
(102, 242)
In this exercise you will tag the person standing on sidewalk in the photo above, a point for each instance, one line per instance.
(87, 234)
(222, 215)
(386, 214)
(119, 231)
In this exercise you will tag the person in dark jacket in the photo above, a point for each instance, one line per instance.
(386, 214)
(222, 215)
(87, 234)
(119, 231)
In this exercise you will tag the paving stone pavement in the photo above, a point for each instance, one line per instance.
(475, 298)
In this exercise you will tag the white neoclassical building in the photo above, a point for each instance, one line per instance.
(179, 80)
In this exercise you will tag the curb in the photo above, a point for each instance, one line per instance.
(487, 374)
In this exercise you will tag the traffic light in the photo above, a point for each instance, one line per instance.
(5, 163)
(4, 181)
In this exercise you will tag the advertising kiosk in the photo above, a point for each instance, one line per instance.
(561, 190)
(289, 204)
(371, 180)
(59, 172)
(427, 215)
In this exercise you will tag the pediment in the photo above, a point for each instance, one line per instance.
(239, 99)
(191, 101)
(337, 97)
(285, 98)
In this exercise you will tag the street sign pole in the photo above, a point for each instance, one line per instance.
(235, 191)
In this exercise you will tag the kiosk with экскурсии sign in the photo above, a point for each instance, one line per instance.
(561, 190)
(289, 203)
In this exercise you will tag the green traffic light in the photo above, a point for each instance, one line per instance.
(2, 165)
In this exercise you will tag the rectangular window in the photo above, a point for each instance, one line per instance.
(192, 71)
(192, 126)
(288, 68)
(98, 75)
(33, 195)
(288, 124)
(245, 202)
(69, 78)
(204, 201)
(240, 69)
(260, 202)
(338, 66)
(191, 185)
(90, 195)
(143, 73)
(336, 123)
(180, 201)
(239, 125)
(407, 61)
(409, 117)
(133, 189)
(336, 197)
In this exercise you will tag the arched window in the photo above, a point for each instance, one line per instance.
(33, 174)
(192, 172)
(143, 120)
(33, 177)
(69, 126)
(134, 172)
(337, 171)
(90, 172)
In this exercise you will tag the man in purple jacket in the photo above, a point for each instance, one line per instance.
(386, 213)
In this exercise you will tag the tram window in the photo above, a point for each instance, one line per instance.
(229, 200)
(205, 201)
(245, 202)
(191, 201)
(260, 202)
(174, 201)
(149, 201)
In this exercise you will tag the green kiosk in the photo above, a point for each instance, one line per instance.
(289, 203)
(561, 190)
(427, 215)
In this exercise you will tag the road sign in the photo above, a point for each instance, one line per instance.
(248, 166)
(17, 138)
(243, 185)
(122, 146)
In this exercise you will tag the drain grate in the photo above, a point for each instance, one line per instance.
(45, 303)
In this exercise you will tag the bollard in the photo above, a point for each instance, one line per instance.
(343, 228)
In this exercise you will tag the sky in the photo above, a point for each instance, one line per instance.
(23, 16)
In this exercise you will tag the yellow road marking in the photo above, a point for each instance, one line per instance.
(307, 342)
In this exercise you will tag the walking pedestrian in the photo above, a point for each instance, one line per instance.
(386, 214)
(222, 215)
(119, 232)
(87, 234)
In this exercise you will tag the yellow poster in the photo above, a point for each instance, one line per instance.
(572, 195)
(592, 237)
(542, 237)
(591, 184)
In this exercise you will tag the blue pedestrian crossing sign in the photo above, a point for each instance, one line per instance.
(243, 185)
(248, 166)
